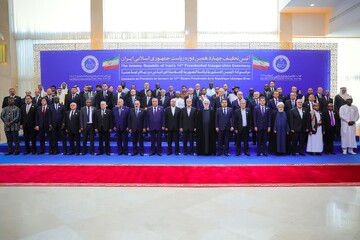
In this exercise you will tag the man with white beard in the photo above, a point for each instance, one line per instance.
(349, 114)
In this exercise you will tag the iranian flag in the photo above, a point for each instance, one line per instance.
(259, 63)
(111, 63)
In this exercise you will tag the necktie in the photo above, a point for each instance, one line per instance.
(56, 107)
(104, 94)
(102, 113)
(224, 111)
(332, 119)
(137, 112)
(292, 103)
(275, 102)
(27, 108)
(257, 103)
(154, 111)
(119, 111)
(71, 114)
(43, 110)
(262, 110)
(88, 114)
(133, 100)
(73, 97)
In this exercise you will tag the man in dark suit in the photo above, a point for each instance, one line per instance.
(164, 100)
(188, 126)
(121, 116)
(37, 98)
(143, 93)
(17, 99)
(146, 101)
(290, 104)
(324, 102)
(156, 91)
(266, 93)
(236, 103)
(319, 95)
(87, 117)
(27, 123)
(49, 95)
(224, 125)
(155, 125)
(103, 125)
(309, 104)
(252, 105)
(72, 125)
(42, 121)
(171, 92)
(218, 100)
(298, 127)
(104, 95)
(192, 96)
(73, 97)
(272, 104)
(330, 123)
(137, 126)
(119, 95)
(172, 125)
(242, 126)
(262, 125)
(132, 98)
(57, 126)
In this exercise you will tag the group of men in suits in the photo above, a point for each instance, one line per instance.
(157, 112)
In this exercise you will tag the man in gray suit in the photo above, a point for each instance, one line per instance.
(87, 126)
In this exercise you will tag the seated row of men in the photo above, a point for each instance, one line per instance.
(208, 125)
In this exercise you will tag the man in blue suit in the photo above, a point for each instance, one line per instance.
(121, 116)
(42, 121)
(223, 126)
(155, 125)
(262, 125)
(137, 126)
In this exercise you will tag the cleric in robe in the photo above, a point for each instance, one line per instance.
(205, 134)
(349, 114)
(281, 129)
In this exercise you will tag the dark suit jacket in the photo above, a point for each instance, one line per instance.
(168, 94)
(260, 121)
(217, 103)
(153, 93)
(137, 123)
(297, 123)
(235, 104)
(84, 117)
(238, 121)
(68, 100)
(142, 93)
(104, 123)
(222, 121)
(194, 100)
(57, 117)
(324, 103)
(188, 123)
(37, 101)
(155, 121)
(120, 121)
(129, 101)
(288, 106)
(116, 97)
(17, 101)
(166, 102)
(172, 123)
(42, 120)
(271, 104)
(72, 125)
(28, 119)
(144, 103)
(327, 120)
(99, 97)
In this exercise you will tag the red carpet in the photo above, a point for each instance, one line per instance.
(179, 176)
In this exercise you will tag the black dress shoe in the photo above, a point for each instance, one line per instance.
(293, 154)
(185, 153)
(265, 154)
(8, 153)
(56, 152)
(152, 153)
(92, 153)
(247, 154)
(302, 154)
(41, 152)
(219, 154)
(226, 154)
(258, 154)
(108, 153)
(120, 153)
(141, 154)
(177, 153)
(159, 154)
(77, 154)
(83, 153)
(333, 153)
(33, 152)
(26, 153)
(126, 153)
(64, 153)
(71, 153)
(100, 153)
(16, 153)
(169, 153)
(134, 154)
(237, 154)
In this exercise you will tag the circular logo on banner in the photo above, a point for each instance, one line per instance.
(89, 64)
(281, 63)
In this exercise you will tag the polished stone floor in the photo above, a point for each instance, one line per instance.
(90, 213)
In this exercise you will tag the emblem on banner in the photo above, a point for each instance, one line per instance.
(281, 63)
(89, 64)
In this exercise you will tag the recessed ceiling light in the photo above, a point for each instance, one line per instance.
(312, 5)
